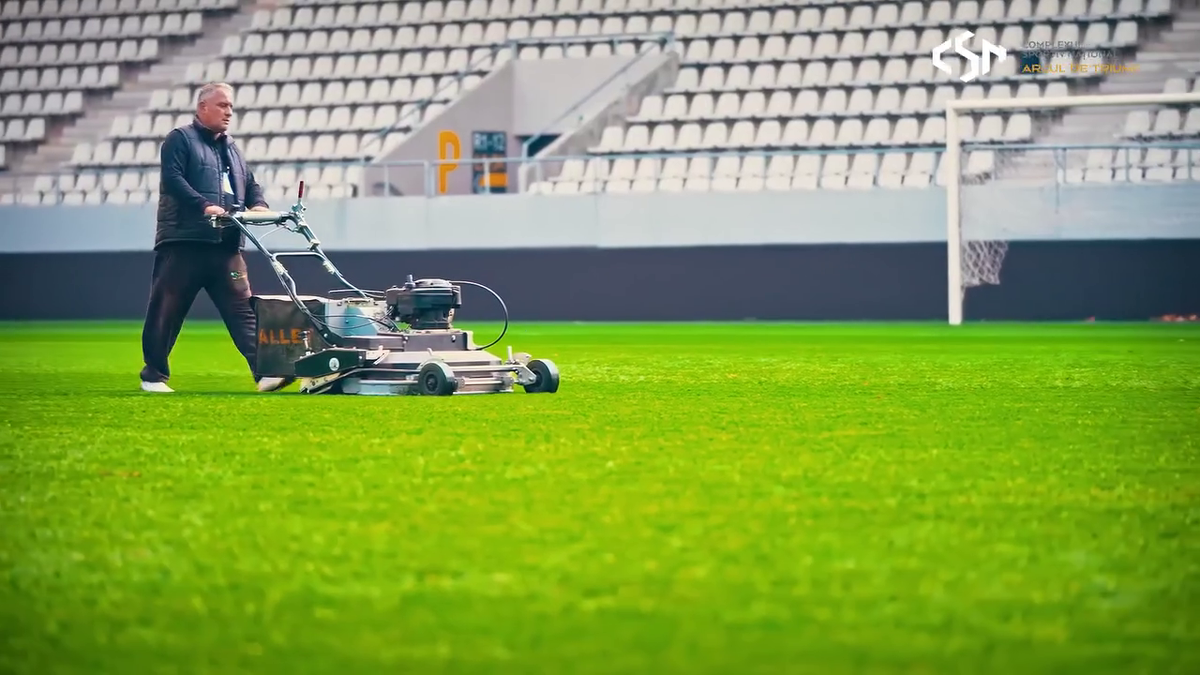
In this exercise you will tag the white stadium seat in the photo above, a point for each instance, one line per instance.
(840, 95)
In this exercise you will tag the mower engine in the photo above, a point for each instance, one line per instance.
(427, 304)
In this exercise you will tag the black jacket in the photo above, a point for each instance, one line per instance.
(192, 160)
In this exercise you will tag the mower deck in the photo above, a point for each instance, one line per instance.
(390, 373)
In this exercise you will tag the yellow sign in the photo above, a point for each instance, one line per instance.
(449, 152)
(280, 336)
(1080, 68)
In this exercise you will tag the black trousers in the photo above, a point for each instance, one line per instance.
(181, 271)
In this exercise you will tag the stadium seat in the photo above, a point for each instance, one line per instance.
(59, 56)
(828, 94)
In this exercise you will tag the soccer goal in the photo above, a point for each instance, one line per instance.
(1077, 167)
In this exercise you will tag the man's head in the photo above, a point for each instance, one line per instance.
(214, 106)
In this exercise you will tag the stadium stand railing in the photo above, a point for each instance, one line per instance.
(771, 93)
(718, 171)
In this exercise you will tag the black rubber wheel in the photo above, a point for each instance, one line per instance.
(547, 377)
(436, 379)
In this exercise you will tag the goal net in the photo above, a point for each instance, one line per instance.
(1076, 167)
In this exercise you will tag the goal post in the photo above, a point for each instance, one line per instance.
(1016, 189)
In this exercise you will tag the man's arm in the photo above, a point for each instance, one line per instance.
(174, 158)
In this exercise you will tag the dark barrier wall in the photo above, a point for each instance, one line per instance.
(1066, 280)
(1125, 251)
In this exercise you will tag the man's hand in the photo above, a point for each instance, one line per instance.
(260, 207)
(214, 210)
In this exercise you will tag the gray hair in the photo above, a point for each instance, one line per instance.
(211, 88)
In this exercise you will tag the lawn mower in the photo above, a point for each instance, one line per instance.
(387, 343)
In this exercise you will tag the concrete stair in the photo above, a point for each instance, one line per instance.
(134, 94)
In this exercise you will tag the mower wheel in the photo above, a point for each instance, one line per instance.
(436, 379)
(547, 377)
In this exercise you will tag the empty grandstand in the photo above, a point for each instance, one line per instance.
(783, 95)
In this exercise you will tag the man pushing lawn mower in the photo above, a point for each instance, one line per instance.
(203, 175)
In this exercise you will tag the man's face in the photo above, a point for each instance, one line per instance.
(216, 112)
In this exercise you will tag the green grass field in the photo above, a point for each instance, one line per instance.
(696, 499)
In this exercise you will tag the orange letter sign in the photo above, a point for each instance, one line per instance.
(449, 148)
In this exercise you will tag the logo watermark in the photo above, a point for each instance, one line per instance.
(1036, 58)
(1041, 58)
(980, 64)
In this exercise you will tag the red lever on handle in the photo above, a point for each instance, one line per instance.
(300, 194)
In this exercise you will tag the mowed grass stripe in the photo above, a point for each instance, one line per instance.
(698, 498)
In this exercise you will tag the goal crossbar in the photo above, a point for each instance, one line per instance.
(953, 162)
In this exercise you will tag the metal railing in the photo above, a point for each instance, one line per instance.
(830, 162)
(1079, 162)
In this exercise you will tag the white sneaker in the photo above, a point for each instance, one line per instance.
(273, 383)
(157, 387)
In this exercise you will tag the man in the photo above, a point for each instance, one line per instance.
(203, 173)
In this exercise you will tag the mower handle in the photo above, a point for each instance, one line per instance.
(292, 221)
(252, 218)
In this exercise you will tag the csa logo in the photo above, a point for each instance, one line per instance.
(976, 68)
